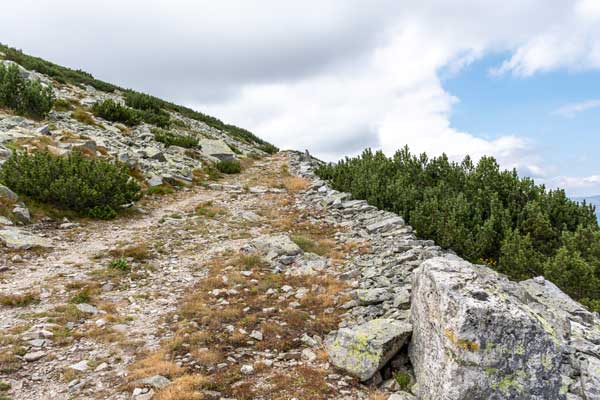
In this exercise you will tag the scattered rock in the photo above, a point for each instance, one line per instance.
(87, 308)
(278, 245)
(81, 366)
(156, 382)
(247, 369)
(33, 356)
(256, 335)
(366, 297)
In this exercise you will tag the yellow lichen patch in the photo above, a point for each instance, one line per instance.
(461, 343)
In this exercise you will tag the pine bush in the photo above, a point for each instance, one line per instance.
(229, 166)
(110, 110)
(26, 97)
(174, 139)
(92, 187)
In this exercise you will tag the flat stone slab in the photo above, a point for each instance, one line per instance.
(15, 238)
(385, 224)
(364, 349)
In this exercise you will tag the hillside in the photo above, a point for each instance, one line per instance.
(148, 251)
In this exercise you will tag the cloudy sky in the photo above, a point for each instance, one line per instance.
(517, 79)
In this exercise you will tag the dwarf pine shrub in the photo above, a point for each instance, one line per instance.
(173, 139)
(229, 166)
(91, 187)
(26, 97)
(483, 213)
(110, 110)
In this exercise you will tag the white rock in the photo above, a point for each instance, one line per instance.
(247, 369)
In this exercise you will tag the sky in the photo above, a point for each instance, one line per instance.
(515, 79)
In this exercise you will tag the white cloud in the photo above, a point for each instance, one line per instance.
(571, 110)
(576, 185)
(572, 41)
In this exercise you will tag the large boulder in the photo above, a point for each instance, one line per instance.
(216, 148)
(475, 336)
(8, 195)
(363, 350)
(275, 246)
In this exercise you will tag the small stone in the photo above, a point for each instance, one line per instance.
(33, 356)
(256, 335)
(87, 308)
(156, 381)
(38, 342)
(308, 355)
(247, 369)
(81, 366)
(101, 367)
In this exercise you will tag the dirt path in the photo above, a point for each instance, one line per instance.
(112, 296)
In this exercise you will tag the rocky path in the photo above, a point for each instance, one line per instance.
(78, 320)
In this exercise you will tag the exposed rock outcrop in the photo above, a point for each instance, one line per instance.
(475, 336)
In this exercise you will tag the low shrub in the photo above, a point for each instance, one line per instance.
(82, 296)
(110, 110)
(268, 148)
(403, 380)
(26, 97)
(229, 166)
(92, 187)
(160, 190)
(173, 139)
(120, 264)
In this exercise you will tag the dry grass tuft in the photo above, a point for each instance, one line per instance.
(139, 252)
(296, 184)
(83, 116)
(157, 363)
(19, 299)
(187, 387)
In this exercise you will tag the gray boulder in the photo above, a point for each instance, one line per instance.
(216, 148)
(363, 350)
(278, 245)
(475, 337)
(366, 297)
(21, 213)
(7, 194)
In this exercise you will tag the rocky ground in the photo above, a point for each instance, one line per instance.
(213, 299)
(270, 285)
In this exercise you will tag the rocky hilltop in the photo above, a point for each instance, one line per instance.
(264, 284)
